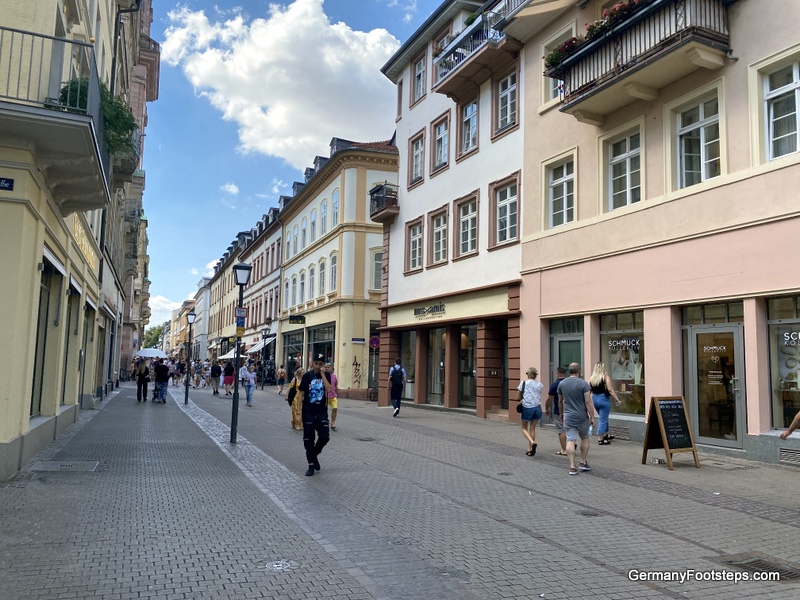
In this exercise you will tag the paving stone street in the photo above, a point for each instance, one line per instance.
(432, 504)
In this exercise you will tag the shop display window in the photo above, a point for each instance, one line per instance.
(408, 353)
(622, 351)
(783, 316)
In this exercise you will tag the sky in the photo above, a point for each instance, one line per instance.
(250, 92)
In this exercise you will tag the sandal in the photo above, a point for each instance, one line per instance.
(561, 453)
(608, 437)
(603, 442)
(573, 471)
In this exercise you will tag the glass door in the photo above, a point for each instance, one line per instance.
(716, 385)
(566, 350)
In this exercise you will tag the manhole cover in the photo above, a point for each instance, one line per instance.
(400, 542)
(281, 566)
(365, 439)
(760, 563)
(86, 466)
(589, 513)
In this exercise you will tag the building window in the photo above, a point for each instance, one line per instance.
(335, 209)
(399, 99)
(286, 295)
(622, 352)
(437, 244)
(311, 283)
(294, 291)
(302, 287)
(699, 143)
(414, 246)
(441, 146)
(322, 278)
(624, 171)
(467, 211)
(782, 96)
(303, 229)
(334, 271)
(296, 235)
(561, 193)
(288, 244)
(783, 319)
(419, 80)
(552, 88)
(503, 195)
(506, 99)
(313, 225)
(377, 270)
(417, 152)
(468, 131)
(323, 218)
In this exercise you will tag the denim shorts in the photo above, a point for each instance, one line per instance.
(531, 414)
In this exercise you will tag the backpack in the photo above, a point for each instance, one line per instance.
(292, 393)
(397, 375)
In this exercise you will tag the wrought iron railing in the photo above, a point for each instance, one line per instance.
(55, 73)
(474, 37)
(652, 30)
(382, 197)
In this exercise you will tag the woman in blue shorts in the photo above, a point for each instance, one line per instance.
(530, 394)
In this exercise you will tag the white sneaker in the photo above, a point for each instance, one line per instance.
(396, 412)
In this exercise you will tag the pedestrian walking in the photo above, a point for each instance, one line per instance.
(313, 391)
(197, 371)
(551, 410)
(281, 379)
(529, 393)
(294, 400)
(216, 372)
(602, 392)
(795, 424)
(333, 395)
(575, 406)
(227, 379)
(162, 381)
(142, 377)
(397, 382)
(250, 384)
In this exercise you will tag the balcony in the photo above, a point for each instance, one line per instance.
(383, 207)
(652, 48)
(473, 57)
(50, 104)
(126, 163)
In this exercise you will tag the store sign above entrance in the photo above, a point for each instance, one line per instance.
(426, 313)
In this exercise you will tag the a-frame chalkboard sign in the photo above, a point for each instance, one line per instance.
(668, 428)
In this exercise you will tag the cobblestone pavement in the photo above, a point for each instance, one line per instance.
(432, 504)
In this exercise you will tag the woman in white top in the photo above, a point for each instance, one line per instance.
(530, 394)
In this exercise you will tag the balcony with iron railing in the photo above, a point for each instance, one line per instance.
(383, 206)
(126, 163)
(50, 100)
(473, 56)
(651, 48)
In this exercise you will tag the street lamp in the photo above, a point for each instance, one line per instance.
(264, 334)
(241, 273)
(189, 319)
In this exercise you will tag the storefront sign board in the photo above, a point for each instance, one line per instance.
(461, 307)
(668, 428)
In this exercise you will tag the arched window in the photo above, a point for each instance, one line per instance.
(286, 296)
(303, 228)
(334, 265)
(288, 245)
(313, 225)
(322, 278)
(323, 217)
(302, 286)
(296, 233)
(294, 291)
(311, 282)
(335, 209)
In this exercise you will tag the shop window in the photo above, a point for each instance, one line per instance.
(408, 353)
(783, 322)
(709, 314)
(622, 352)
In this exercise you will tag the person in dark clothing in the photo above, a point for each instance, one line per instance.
(142, 377)
(551, 409)
(216, 373)
(227, 380)
(313, 396)
(162, 380)
(397, 381)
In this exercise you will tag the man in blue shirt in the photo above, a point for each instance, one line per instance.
(313, 397)
(552, 400)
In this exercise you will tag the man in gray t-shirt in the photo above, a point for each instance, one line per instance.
(577, 411)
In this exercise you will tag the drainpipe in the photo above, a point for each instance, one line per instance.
(117, 22)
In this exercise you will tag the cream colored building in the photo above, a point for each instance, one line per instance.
(661, 209)
(224, 299)
(330, 293)
(62, 200)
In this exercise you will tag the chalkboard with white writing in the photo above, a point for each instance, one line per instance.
(668, 427)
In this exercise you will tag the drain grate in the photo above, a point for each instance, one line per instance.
(759, 563)
(365, 439)
(281, 566)
(84, 466)
(789, 456)
(620, 433)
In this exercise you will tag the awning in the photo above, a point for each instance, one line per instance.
(260, 345)
(229, 356)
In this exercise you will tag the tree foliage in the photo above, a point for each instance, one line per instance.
(151, 337)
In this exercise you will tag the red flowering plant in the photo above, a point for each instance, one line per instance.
(613, 15)
(563, 51)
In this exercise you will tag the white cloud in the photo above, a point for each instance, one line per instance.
(409, 8)
(278, 185)
(161, 309)
(208, 270)
(290, 81)
(230, 188)
(194, 271)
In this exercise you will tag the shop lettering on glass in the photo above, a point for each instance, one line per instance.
(624, 344)
(791, 338)
(434, 311)
(715, 349)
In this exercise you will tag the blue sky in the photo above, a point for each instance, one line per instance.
(249, 93)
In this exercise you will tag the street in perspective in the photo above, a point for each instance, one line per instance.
(144, 500)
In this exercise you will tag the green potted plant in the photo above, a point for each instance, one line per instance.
(471, 17)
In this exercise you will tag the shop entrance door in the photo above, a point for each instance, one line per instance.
(716, 390)
(566, 350)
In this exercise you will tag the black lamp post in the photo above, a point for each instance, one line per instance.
(264, 334)
(190, 319)
(241, 273)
